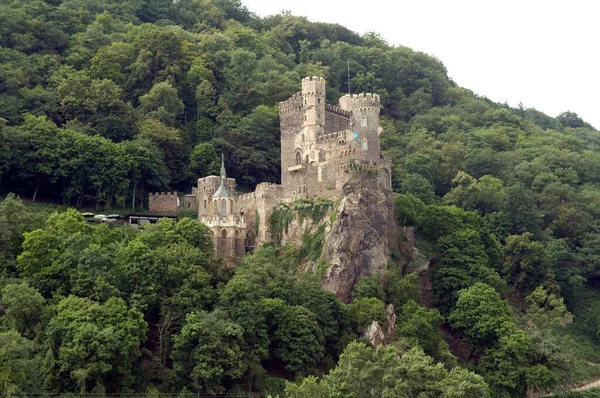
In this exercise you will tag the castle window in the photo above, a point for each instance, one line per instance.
(205, 203)
(305, 101)
(385, 180)
(223, 207)
(318, 100)
(304, 117)
(365, 144)
(298, 157)
(224, 233)
(231, 205)
(303, 138)
(363, 121)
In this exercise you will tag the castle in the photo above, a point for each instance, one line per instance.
(322, 145)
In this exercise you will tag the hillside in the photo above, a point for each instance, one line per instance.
(104, 101)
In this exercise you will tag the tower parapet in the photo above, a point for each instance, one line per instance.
(351, 102)
(313, 85)
(292, 104)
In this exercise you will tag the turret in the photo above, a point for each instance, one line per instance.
(364, 121)
(313, 96)
(350, 102)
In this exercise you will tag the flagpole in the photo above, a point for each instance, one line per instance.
(348, 76)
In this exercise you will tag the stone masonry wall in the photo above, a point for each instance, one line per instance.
(163, 203)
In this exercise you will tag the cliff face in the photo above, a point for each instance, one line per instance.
(362, 236)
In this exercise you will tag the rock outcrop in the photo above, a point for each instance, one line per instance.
(362, 236)
(374, 334)
(390, 321)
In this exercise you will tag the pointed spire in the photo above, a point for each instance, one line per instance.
(222, 190)
(223, 175)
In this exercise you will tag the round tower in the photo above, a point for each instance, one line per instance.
(364, 122)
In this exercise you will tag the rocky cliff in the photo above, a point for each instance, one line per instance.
(362, 236)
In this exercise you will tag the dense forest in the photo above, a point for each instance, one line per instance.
(103, 101)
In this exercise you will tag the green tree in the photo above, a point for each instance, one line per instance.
(94, 344)
(23, 307)
(421, 327)
(366, 310)
(209, 351)
(481, 315)
(526, 265)
(19, 367)
(418, 186)
(15, 220)
(162, 103)
(204, 161)
(384, 372)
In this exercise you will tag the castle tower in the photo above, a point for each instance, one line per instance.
(319, 141)
(313, 95)
(364, 121)
(220, 214)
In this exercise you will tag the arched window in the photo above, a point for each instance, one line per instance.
(298, 157)
(318, 100)
(224, 233)
(223, 207)
(385, 178)
(365, 144)
(216, 207)
(231, 209)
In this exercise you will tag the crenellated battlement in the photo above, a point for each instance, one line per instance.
(267, 190)
(337, 110)
(334, 136)
(163, 194)
(293, 104)
(307, 81)
(245, 197)
(351, 102)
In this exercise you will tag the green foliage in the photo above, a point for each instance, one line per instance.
(19, 367)
(399, 290)
(102, 102)
(23, 307)
(366, 310)
(526, 265)
(422, 327)
(208, 351)
(91, 343)
(385, 372)
(480, 314)
(408, 209)
(368, 287)
(15, 221)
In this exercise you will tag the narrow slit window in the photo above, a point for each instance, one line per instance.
(363, 121)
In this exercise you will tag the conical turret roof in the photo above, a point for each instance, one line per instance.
(222, 191)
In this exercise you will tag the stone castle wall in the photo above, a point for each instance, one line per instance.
(257, 207)
(323, 147)
(164, 203)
